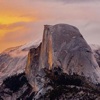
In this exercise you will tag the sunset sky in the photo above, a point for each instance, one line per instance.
(22, 21)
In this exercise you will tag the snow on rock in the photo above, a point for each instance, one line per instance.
(32, 44)
(13, 60)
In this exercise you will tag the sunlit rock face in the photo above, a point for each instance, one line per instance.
(54, 44)
(32, 66)
(63, 46)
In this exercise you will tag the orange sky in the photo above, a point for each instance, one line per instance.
(13, 20)
(22, 21)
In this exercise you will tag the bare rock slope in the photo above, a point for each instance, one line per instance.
(13, 60)
(63, 46)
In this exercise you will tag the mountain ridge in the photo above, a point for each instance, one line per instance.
(62, 61)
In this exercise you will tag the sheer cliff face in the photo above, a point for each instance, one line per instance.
(32, 66)
(56, 44)
(63, 46)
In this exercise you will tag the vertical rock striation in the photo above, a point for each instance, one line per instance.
(63, 46)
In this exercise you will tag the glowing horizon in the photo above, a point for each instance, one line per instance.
(22, 21)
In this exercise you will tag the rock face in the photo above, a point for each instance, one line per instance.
(63, 46)
(62, 64)
(96, 52)
(57, 86)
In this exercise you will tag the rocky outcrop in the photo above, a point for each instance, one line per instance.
(32, 66)
(16, 87)
(63, 46)
(62, 64)
(56, 86)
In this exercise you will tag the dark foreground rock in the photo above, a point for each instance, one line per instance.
(56, 86)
